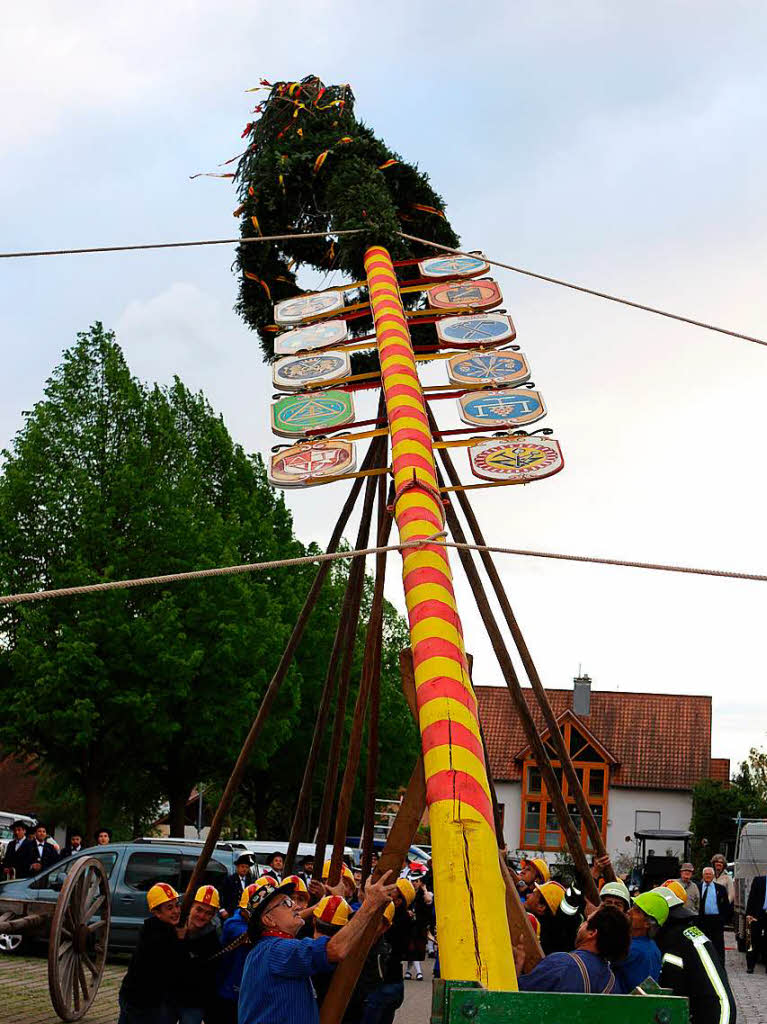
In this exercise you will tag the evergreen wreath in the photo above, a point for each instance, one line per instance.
(312, 166)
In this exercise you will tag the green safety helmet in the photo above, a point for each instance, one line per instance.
(618, 889)
(653, 904)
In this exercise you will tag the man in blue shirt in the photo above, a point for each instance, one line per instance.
(714, 910)
(648, 914)
(604, 936)
(276, 984)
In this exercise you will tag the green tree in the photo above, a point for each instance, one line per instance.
(136, 695)
(715, 808)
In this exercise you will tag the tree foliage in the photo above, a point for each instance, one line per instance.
(312, 166)
(715, 809)
(136, 695)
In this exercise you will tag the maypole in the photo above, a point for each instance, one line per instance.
(469, 890)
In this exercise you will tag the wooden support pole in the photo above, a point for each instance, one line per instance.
(371, 773)
(271, 693)
(573, 783)
(371, 667)
(398, 842)
(356, 583)
(518, 699)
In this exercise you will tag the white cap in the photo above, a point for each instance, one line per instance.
(669, 896)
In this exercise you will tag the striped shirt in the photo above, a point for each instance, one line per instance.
(276, 984)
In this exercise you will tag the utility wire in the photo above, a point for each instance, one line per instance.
(436, 538)
(589, 291)
(178, 245)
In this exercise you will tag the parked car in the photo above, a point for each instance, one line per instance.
(260, 849)
(750, 861)
(132, 869)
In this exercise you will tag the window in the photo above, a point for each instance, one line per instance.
(146, 869)
(215, 872)
(54, 879)
(646, 819)
(540, 830)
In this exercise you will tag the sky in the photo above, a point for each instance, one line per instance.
(618, 145)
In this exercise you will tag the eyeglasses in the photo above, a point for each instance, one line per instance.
(287, 902)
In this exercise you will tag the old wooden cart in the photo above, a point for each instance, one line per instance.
(77, 928)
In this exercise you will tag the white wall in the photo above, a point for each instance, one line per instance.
(675, 812)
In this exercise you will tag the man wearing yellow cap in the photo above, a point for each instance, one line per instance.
(534, 870)
(277, 981)
(149, 989)
(235, 946)
(558, 930)
(197, 985)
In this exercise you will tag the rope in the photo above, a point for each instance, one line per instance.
(179, 245)
(229, 570)
(590, 291)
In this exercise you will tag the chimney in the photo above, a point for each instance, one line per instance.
(582, 695)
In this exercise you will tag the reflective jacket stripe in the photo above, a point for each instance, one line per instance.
(713, 977)
(671, 958)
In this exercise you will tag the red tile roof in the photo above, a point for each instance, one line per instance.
(661, 741)
(720, 769)
(18, 786)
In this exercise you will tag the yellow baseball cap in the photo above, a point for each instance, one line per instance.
(677, 888)
(553, 893)
(345, 871)
(389, 912)
(407, 889)
(159, 894)
(298, 882)
(542, 866)
(208, 895)
(332, 910)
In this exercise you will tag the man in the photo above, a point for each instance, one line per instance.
(235, 885)
(532, 871)
(604, 936)
(18, 852)
(347, 880)
(235, 946)
(722, 876)
(276, 983)
(692, 890)
(372, 995)
(690, 966)
(328, 917)
(103, 837)
(307, 868)
(275, 862)
(714, 911)
(647, 915)
(195, 988)
(558, 930)
(423, 915)
(615, 894)
(74, 845)
(756, 919)
(43, 853)
(148, 989)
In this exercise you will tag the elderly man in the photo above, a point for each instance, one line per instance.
(692, 890)
(714, 911)
(647, 915)
(722, 876)
(603, 937)
(276, 983)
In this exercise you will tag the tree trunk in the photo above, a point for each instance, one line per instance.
(93, 792)
(177, 799)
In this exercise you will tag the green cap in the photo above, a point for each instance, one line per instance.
(616, 889)
(653, 905)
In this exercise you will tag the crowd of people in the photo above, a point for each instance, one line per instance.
(32, 849)
(264, 951)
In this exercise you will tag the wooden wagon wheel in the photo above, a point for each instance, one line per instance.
(77, 948)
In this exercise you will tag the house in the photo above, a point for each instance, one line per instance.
(637, 755)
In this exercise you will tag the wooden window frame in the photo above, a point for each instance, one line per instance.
(543, 798)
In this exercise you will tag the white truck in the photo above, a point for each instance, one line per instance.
(750, 861)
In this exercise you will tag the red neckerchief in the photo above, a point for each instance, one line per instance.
(273, 933)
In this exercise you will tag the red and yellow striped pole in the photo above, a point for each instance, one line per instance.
(473, 929)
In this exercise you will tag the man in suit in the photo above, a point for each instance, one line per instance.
(235, 885)
(18, 852)
(74, 845)
(756, 918)
(714, 911)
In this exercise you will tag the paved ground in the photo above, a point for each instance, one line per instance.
(24, 993)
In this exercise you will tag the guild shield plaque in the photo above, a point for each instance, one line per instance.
(476, 331)
(294, 415)
(294, 372)
(314, 336)
(304, 307)
(297, 466)
(515, 460)
(454, 266)
(481, 294)
(489, 368)
(502, 408)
